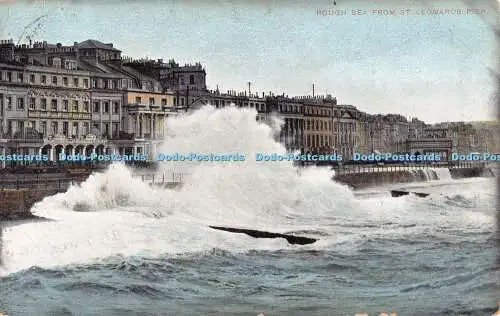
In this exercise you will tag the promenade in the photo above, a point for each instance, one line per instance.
(59, 182)
(372, 168)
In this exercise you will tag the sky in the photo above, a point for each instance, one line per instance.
(433, 67)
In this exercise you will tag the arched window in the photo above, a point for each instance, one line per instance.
(191, 79)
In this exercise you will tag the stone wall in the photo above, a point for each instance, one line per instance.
(16, 204)
(372, 179)
(459, 173)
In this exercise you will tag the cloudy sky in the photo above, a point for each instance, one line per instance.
(434, 67)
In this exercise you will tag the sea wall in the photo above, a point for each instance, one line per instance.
(371, 179)
(16, 204)
(458, 173)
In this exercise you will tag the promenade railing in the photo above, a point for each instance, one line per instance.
(60, 182)
(359, 168)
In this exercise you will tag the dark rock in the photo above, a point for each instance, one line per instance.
(294, 240)
(398, 193)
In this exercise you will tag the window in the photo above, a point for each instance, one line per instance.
(116, 132)
(54, 80)
(96, 107)
(74, 132)
(32, 78)
(86, 106)
(116, 107)
(20, 77)
(138, 100)
(65, 105)
(9, 76)
(65, 128)
(106, 107)
(85, 83)
(20, 125)
(182, 80)
(86, 128)
(43, 128)
(20, 103)
(75, 82)
(75, 106)
(65, 81)
(182, 101)
(94, 83)
(175, 101)
(32, 103)
(44, 79)
(54, 105)
(151, 101)
(191, 79)
(106, 84)
(115, 84)
(54, 128)
(164, 102)
(43, 104)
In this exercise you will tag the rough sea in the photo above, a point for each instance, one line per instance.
(141, 250)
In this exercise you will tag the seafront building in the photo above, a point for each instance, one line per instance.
(77, 99)
(88, 98)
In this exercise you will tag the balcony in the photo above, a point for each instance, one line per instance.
(136, 105)
(59, 115)
(84, 140)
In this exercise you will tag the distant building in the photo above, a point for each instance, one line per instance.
(292, 134)
(345, 130)
(431, 140)
(171, 75)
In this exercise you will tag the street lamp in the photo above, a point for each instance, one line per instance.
(371, 136)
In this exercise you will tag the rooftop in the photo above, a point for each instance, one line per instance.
(90, 43)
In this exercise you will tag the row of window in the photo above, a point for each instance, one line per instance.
(76, 82)
(138, 100)
(316, 125)
(78, 129)
(181, 80)
(66, 105)
(318, 141)
(222, 103)
(318, 112)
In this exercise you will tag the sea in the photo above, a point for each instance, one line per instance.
(115, 245)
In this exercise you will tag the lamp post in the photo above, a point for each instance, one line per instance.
(371, 137)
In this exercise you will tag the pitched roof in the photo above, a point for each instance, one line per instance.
(96, 44)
